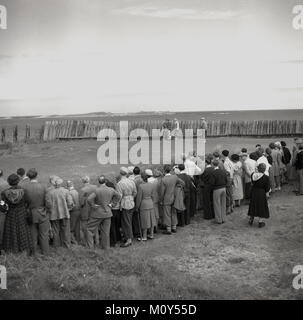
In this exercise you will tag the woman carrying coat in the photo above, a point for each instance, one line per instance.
(258, 206)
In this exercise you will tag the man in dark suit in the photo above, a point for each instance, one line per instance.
(219, 182)
(207, 189)
(101, 202)
(35, 198)
(167, 193)
(187, 189)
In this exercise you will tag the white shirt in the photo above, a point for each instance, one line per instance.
(191, 168)
(250, 166)
(264, 160)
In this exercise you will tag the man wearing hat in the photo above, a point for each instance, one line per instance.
(58, 203)
(131, 172)
(150, 177)
(128, 191)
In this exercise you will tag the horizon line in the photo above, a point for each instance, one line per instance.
(104, 113)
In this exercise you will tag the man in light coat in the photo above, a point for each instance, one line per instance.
(167, 196)
(128, 191)
(58, 203)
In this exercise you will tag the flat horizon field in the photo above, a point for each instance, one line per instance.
(201, 261)
(280, 114)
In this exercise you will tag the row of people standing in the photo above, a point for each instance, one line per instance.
(132, 205)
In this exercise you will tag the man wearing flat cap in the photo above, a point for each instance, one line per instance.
(58, 203)
(128, 191)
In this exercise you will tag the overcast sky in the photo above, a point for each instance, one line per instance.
(78, 56)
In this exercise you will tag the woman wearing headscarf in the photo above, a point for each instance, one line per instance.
(258, 206)
(17, 235)
(145, 207)
(237, 180)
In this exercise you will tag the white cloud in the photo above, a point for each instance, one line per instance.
(182, 13)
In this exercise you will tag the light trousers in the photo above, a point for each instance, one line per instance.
(219, 199)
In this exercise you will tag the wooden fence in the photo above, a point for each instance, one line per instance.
(73, 129)
(81, 129)
(17, 134)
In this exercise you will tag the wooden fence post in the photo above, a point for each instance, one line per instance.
(3, 134)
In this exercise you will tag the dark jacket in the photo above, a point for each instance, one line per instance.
(188, 182)
(35, 194)
(218, 179)
(286, 156)
(299, 161)
(206, 177)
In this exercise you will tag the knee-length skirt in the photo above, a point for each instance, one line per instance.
(148, 218)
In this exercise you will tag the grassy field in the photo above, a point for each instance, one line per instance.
(201, 261)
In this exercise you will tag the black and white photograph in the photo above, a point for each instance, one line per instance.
(151, 150)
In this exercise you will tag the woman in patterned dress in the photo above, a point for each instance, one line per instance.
(17, 236)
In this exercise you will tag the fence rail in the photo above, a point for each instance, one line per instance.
(84, 129)
(71, 129)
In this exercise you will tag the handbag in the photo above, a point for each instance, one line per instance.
(3, 207)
